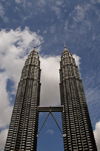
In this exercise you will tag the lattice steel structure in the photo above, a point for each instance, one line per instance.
(23, 128)
(77, 129)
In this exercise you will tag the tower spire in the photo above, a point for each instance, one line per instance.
(65, 49)
(64, 45)
(35, 45)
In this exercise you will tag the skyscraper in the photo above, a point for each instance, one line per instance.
(77, 129)
(24, 121)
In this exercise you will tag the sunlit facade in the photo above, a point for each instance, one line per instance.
(22, 134)
(77, 129)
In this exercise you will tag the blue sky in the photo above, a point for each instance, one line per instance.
(48, 24)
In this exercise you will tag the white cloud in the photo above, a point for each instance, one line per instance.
(3, 136)
(97, 135)
(77, 59)
(41, 3)
(50, 93)
(50, 66)
(14, 46)
(92, 93)
(45, 31)
(13, 51)
(2, 13)
(57, 11)
(24, 3)
(52, 29)
(50, 131)
(80, 18)
(59, 3)
(20, 1)
(5, 107)
(79, 14)
(95, 1)
(17, 9)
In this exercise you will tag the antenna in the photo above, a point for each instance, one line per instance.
(64, 45)
(35, 45)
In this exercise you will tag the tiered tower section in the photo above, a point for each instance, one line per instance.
(77, 129)
(22, 134)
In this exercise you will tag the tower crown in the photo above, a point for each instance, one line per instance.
(66, 52)
(65, 49)
(34, 49)
(33, 53)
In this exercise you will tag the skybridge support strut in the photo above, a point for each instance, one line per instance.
(50, 109)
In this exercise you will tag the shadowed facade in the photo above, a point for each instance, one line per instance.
(22, 134)
(77, 129)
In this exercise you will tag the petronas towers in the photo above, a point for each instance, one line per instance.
(23, 128)
(77, 129)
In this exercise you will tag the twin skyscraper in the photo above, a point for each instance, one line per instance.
(77, 129)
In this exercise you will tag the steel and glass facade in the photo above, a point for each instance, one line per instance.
(77, 129)
(22, 134)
